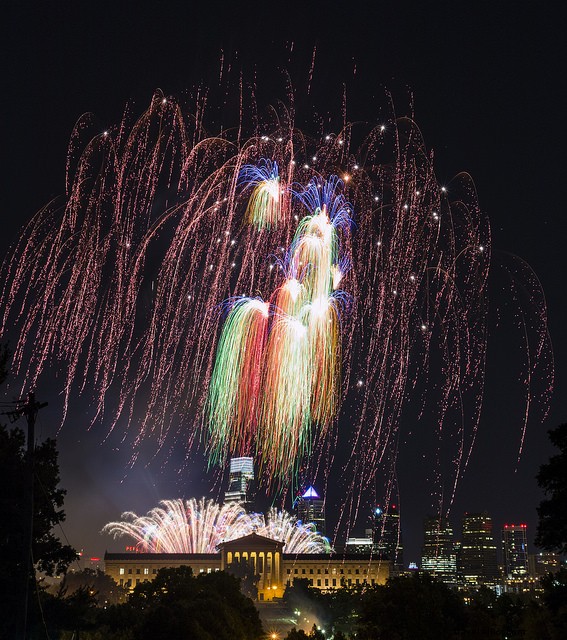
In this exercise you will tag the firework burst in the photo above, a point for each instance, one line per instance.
(118, 286)
(199, 526)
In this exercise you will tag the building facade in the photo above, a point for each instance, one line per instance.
(438, 554)
(275, 568)
(310, 508)
(515, 550)
(240, 482)
(387, 535)
(477, 561)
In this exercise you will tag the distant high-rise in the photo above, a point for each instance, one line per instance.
(310, 507)
(438, 553)
(478, 563)
(387, 534)
(515, 549)
(240, 481)
(359, 545)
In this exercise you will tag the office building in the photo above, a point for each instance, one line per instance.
(359, 545)
(515, 550)
(387, 534)
(310, 508)
(477, 559)
(240, 482)
(438, 554)
(539, 564)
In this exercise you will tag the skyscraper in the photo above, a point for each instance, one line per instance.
(240, 481)
(478, 563)
(438, 553)
(310, 507)
(387, 534)
(515, 549)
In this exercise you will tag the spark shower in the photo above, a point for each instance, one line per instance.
(252, 294)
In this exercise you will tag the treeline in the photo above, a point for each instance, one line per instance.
(420, 606)
(175, 605)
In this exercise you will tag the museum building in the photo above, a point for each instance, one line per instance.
(325, 571)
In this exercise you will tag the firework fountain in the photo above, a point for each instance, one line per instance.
(249, 295)
(199, 526)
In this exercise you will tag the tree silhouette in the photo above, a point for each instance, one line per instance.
(552, 511)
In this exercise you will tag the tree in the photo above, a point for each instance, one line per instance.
(248, 579)
(411, 607)
(48, 554)
(178, 605)
(555, 599)
(552, 512)
(100, 585)
(299, 634)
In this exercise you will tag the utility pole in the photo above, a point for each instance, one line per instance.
(28, 408)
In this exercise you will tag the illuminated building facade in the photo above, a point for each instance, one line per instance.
(240, 481)
(359, 545)
(387, 534)
(478, 563)
(276, 569)
(544, 562)
(310, 507)
(515, 550)
(438, 554)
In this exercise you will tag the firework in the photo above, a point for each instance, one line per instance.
(117, 286)
(298, 537)
(183, 526)
(264, 208)
(235, 382)
(199, 526)
(295, 378)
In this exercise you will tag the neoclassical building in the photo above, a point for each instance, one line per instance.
(325, 571)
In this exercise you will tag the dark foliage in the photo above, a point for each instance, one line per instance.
(101, 586)
(177, 604)
(411, 607)
(244, 571)
(552, 478)
(48, 554)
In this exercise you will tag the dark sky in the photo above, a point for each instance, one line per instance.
(489, 89)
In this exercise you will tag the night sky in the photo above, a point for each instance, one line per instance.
(488, 85)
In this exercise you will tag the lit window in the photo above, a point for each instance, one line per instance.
(146, 571)
(121, 571)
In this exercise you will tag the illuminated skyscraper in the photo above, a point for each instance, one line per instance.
(438, 553)
(387, 534)
(310, 507)
(240, 481)
(478, 562)
(515, 548)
